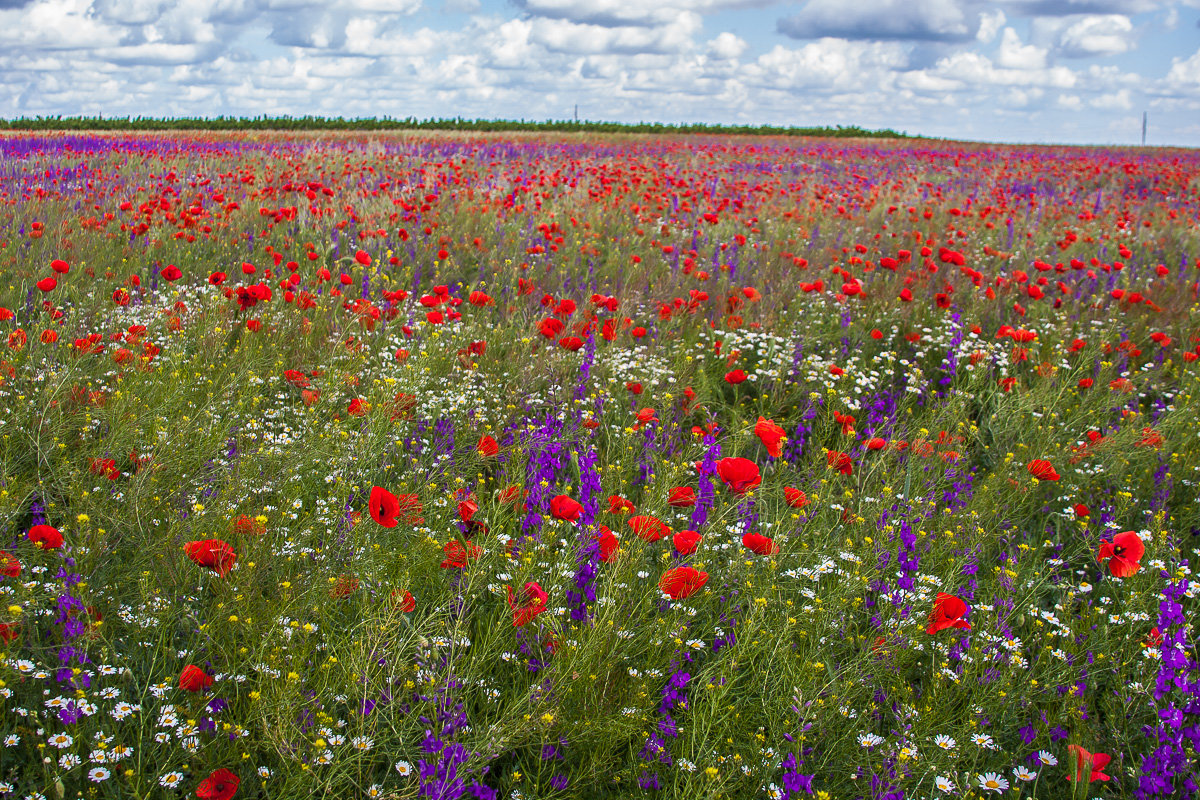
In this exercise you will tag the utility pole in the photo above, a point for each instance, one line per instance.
(577, 120)
(1143, 129)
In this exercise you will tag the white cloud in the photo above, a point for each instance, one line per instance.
(1106, 35)
(1013, 55)
(990, 23)
(920, 20)
(727, 46)
(1184, 75)
(828, 65)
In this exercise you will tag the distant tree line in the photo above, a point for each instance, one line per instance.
(310, 123)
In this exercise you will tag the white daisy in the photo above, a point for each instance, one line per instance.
(991, 782)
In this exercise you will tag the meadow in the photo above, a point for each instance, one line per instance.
(549, 465)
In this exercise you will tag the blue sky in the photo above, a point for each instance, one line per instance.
(1072, 71)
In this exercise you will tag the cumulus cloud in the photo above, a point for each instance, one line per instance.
(1098, 35)
(1014, 55)
(617, 13)
(930, 20)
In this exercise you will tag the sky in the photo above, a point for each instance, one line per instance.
(1043, 71)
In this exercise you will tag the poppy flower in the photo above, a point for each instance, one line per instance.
(682, 497)
(550, 327)
(384, 507)
(478, 298)
(457, 557)
(343, 586)
(408, 603)
(633, 387)
(487, 447)
(358, 407)
(60, 266)
(8, 632)
(363, 257)
(609, 545)
(947, 612)
(513, 496)
(876, 443)
(762, 545)
(686, 542)
(795, 497)
(10, 567)
(194, 679)
(651, 529)
(220, 785)
(682, 582)
(171, 273)
(735, 377)
(527, 603)
(1124, 553)
(1082, 510)
(564, 508)
(739, 474)
(840, 461)
(212, 554)
(771, 435)
(1090, 764)
(1041, 469)
(45, 537)
(47, 284)
(619, 505)
(249, 525)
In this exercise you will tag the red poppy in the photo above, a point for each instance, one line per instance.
(220, 785)
(1041, 469)
(739, 474)
(634, 388)
(948, 611)
(550, 327)
(47, 284)
(8, 632)
(1082, 510)
(358, 407)
(487, 447)
(514, 496)
(60, 266)
(384, 507)
(619, 505)
(686, 542)
(1088, 764)
(10, 567)
(651, 529)
(194, 679)
(735, 377)
(212, 554)
(478, 298)
(527, 603)
(682, 497)
(249, 525)
(363, 257)
(876, 443)
(563, 507)
(456, 556)
(1124, 552)
(795, 497)
(609, 545)
(408, 603)
(771, 435)
(762, 545)
(840, 461)
(171, 273)
(45, 537)
(682, 582)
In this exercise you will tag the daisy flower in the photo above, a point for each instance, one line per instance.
(945, 742)
(61, 740)
(943, 784)
(404, 768)
(98, 774)
(1023, 773)
(171, 780)
(1046, 758)
(983, 740)
(991, 782)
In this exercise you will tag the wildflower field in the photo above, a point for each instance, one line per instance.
(579, 466)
